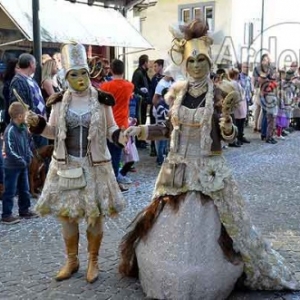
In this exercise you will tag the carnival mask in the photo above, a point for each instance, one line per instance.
(198, 66)
(78, 80)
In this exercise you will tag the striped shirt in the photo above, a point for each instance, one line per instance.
(160, 112)
(29, 91)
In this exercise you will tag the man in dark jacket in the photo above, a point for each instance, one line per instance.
(142, 87)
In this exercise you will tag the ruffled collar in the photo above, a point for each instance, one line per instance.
(198, 83)
(178, 101)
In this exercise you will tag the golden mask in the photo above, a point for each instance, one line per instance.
(78, 80)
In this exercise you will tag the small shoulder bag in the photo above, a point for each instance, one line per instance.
(72, 179)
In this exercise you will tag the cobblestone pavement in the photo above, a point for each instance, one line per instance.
(32, 252)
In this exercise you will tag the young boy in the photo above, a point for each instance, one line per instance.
(16, 161)
(160, 111)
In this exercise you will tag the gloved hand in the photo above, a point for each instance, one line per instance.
(144, 90)
(226, 124)
(122, 139)
(133, 131)
(230, 102)
(31, 119)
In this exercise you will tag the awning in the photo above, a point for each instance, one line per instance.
(62, 21)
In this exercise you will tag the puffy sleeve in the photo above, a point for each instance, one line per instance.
(50, 129)
(155, 132)
(112, 127)
(163, 131)
(47, 129)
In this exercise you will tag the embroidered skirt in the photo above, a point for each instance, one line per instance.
(181, 257)
(101, 196)
(179, 254)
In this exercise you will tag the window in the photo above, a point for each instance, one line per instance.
(205, 10)
(197, 13)
(186, 15)
(142, 23)
(208, 16)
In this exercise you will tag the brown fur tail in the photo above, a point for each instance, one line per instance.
(142, 224)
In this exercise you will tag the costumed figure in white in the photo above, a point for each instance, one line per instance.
(80, 182)
(195, 240)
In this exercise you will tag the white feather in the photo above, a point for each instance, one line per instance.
(176, 31)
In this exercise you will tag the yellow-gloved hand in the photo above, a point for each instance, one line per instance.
(31, 119)
(226, 124)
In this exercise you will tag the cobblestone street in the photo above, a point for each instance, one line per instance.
(32, 251)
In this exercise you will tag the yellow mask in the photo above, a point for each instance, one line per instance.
(78, 80)
(198, 67)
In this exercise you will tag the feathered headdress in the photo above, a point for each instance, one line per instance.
(189, 41)
(96, 66)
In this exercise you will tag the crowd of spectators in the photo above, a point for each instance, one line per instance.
(268, 101)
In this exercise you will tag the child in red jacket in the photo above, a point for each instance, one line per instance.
(270, 104)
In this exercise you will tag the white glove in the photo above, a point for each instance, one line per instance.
(133, 131)
(144, 90)
(226, 123)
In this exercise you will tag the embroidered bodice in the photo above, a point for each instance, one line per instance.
(189, 134)
(77, 132)
(75, 119)
(78, 119)
(191, 121)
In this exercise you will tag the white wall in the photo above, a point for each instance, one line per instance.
(283, 26)
(243, 12)
(222, 30)
(281, 29)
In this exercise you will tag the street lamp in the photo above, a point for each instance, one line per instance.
(89, 2)
(37, 45)
(262, 27)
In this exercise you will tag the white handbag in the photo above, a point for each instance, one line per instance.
(71, 179)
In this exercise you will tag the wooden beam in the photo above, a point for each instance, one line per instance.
(118, 3)
(123, 3)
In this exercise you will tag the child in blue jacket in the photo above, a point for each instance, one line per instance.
(17, 157)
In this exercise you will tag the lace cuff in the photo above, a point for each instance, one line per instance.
(229, 137)
(39, 128)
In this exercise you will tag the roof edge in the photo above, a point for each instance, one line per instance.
(15, 23)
